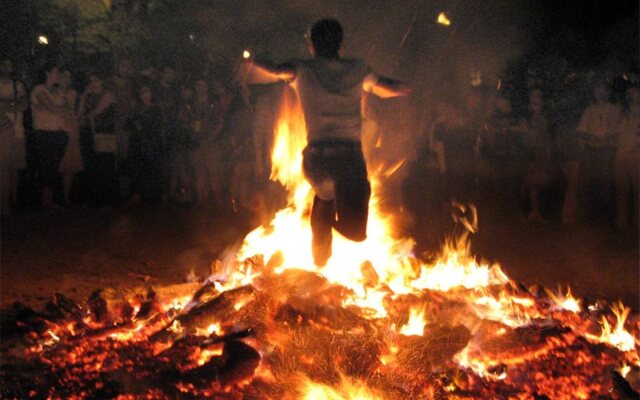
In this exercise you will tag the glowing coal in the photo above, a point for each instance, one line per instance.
(375, 323)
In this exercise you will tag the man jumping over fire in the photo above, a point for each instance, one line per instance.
(330, 89)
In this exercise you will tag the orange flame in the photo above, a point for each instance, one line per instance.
(565, 301)
(618, 337)
(347, 390)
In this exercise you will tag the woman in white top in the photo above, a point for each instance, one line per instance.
(12, 148)
(597, 130)
(50, 115)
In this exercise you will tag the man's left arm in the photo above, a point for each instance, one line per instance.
(386, 87)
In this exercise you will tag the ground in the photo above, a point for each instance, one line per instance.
(77, 250)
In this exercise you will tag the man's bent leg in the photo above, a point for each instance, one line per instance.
(322, 220)
(353, 215)
(352, 199)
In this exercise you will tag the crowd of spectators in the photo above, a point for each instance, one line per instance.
(107, 140)
(541, 164)
(158, 136)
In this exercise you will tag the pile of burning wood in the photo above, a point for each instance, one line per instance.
(374, 323)
(290, 334)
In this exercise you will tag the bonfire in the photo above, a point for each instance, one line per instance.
(377, 322)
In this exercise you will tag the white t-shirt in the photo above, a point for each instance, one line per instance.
(43, 119)
(599, 120)
(330, 92)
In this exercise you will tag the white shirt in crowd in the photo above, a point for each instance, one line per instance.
(44, 119)
(330, 92)
(599, 120)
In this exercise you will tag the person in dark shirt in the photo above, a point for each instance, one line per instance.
(182, 188)
(146, 148)
(207, 154)
(459, 141)
(98, 141)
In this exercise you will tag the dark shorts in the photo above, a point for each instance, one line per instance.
(48, 148)
(344, 164)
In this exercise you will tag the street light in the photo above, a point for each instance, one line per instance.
(42, 39)
(443, 19)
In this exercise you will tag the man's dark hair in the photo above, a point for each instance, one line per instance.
(326, 36)
(46, 68)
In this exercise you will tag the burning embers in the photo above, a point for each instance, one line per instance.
(290, 335)
(375, 323)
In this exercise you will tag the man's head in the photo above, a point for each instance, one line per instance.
(51, 74)
(145, 93)
(66, 78)
(633, 96)
(168, 75)
(536, 100)
(601, 92)
(326, 38)
(95, 84)
(125, 68)
(201, 87)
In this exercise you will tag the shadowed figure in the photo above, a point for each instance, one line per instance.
(330, 89)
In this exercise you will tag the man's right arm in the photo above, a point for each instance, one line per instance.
(256, 73)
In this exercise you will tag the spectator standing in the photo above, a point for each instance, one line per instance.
(124, 90)
(459, 141)
(13, 103)
(182, 188)
(50, 115)
(597, 128)
(239, 130)
(537, 144)
(72, 161)
(206, 126)
(503, 152)
(147, 148)
(166, 93)
(166, 98)
(568, 154)
(627, 162)
(97, 111)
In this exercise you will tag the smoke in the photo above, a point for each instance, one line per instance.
(398, 39)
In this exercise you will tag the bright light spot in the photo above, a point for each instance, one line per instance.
(53, 335)
(624, 370)
(43, 39)
(476, 78)
(415, 325)
(214, 328)
(246, 54)
(443, 19)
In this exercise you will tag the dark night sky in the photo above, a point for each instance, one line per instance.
(484, 34)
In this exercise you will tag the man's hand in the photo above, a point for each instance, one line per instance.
(387, 87)
(252, 72)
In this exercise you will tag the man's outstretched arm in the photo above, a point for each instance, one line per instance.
(256, 73)
(387, 87)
